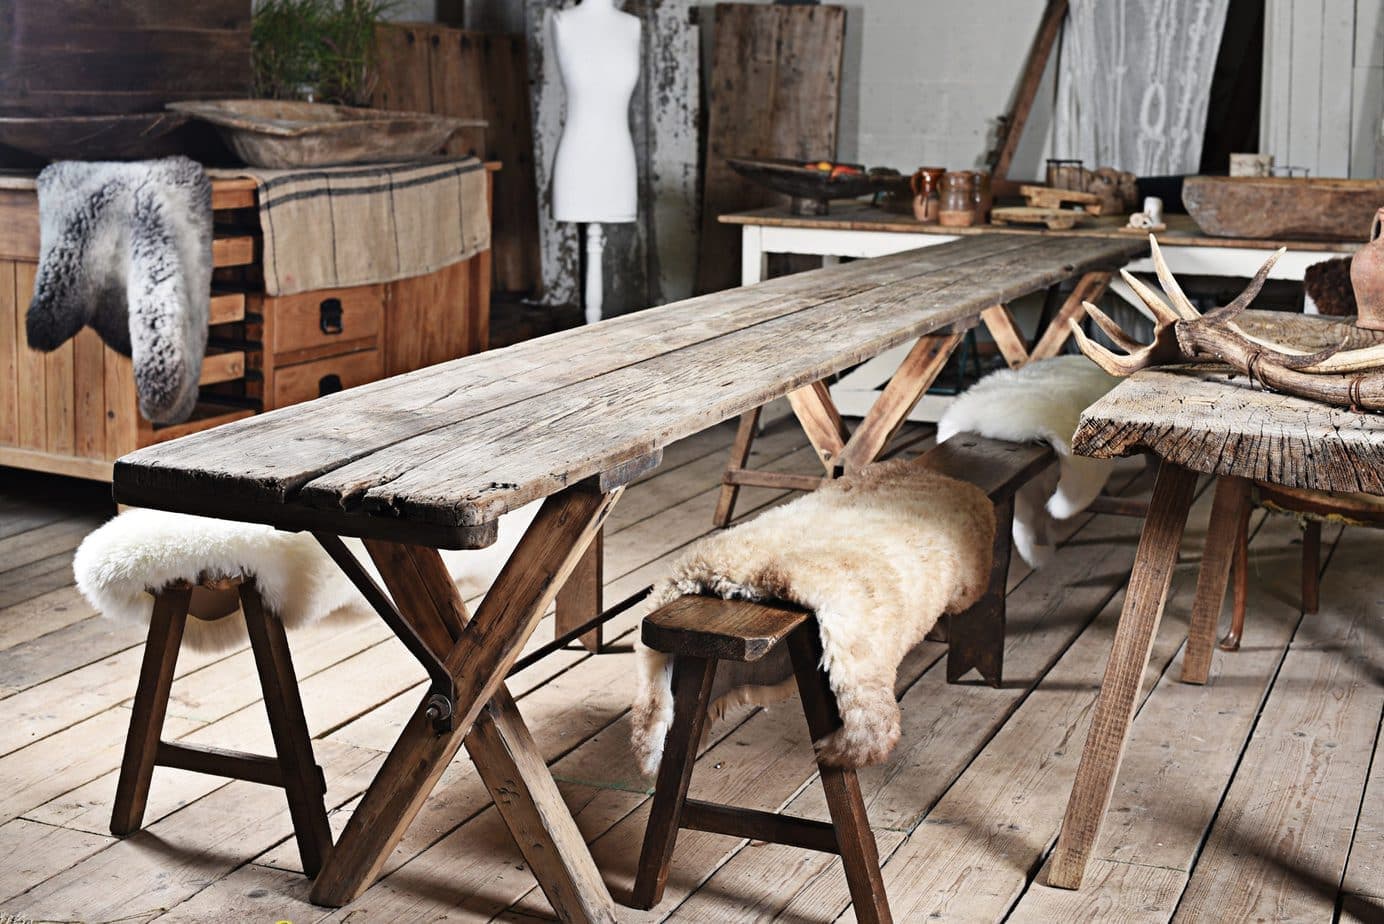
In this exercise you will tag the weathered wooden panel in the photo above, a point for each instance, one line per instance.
(457, 72)
(9, 358)
(775, 91)
(30, 375)
(89, 394)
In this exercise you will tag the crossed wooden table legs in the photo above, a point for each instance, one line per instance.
(843, 451)
(476, 709)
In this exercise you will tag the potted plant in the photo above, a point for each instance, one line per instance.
(316, 50)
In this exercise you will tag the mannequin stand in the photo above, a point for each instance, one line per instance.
(594, 293)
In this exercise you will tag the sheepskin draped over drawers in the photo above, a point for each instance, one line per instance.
(878, 557)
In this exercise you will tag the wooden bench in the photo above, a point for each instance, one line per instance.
(431, 459)
(699, 631)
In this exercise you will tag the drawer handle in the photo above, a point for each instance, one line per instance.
(328, 384)
(329, 316)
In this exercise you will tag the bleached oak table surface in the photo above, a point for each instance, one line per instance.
(1195, 419)
(432, 458)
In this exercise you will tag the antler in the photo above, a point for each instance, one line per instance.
(1349, 378)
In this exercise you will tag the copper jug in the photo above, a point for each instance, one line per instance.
(1367, 278)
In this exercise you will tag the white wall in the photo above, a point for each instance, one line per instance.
(1323, 97)
(924, 81)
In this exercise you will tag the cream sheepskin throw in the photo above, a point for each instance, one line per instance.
(1038, 402)
(118, 565)
(878, 557)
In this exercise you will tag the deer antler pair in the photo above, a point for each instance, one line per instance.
(1347, 378)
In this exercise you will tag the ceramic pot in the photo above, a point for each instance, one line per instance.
(957, 209)
(1367, 277)
(925, 202)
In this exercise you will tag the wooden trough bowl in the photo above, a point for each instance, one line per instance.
(811, 189)
(1283, 208)
(282, 134)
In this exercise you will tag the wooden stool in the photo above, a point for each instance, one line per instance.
(698, 632)
(294, 769)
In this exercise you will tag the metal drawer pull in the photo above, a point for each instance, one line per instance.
(329, 316)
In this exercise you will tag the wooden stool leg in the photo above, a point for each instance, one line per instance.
(1311, 566)
(150, 706)
(739, 455)
(975, 638)
(1145, 598)
(854, 839)
(692, 678)
(302, 779)
(1239, 572)
(1222, 535)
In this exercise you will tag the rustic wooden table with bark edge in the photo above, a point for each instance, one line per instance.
(1194, 419)
(432, 458)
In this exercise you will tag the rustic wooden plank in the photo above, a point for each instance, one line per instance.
(1280, 841)
(402, 69)
(89, 394)
(1225, 425)
(58, 367)
(30, 372)
(233, 250)
(9, 356)
(773, 91)
(471, 387)
(914, 377)
(1008, 337)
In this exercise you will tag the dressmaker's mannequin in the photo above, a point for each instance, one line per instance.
(594, 176)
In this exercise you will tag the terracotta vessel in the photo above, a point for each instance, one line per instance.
(957, 209)
(925, 202)
(1367, 277)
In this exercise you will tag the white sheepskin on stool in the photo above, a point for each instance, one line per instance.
(879, 557)
(1038, 402)
(119, 564)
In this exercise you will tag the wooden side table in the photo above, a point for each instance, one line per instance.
(1195, 420)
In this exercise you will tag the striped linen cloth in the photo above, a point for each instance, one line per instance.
(332, 227)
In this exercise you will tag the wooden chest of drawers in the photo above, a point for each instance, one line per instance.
(73, 411)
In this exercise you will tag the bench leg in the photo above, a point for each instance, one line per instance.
(692, 679)
(302, 780)
(1222, 534)
(150, 706)
(1145, 597)
(854, 839)
(976, 637)
(1311, 566)
(739, 455)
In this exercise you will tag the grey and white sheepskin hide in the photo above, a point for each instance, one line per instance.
(126, 249)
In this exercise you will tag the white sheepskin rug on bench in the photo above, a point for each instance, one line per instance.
(879, 557)
(120, 565)
(1039, 402)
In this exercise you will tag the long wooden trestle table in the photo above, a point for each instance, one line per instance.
(431, 459)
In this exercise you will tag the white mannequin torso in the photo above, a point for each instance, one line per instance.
(594, 173)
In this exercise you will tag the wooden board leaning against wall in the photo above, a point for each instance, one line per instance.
(440, 69)
(74, 411)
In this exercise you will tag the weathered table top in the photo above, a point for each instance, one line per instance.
(434, 456)
(1205, 419)
(857, 216)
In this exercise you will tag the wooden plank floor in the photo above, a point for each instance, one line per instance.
(1256, 797)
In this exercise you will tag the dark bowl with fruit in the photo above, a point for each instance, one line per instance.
(812, 184)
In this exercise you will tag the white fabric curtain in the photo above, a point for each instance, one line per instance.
(1134, 81)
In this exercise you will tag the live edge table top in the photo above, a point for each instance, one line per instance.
(1205, 419)
(433, 457)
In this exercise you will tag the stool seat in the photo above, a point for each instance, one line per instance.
(727, 630)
